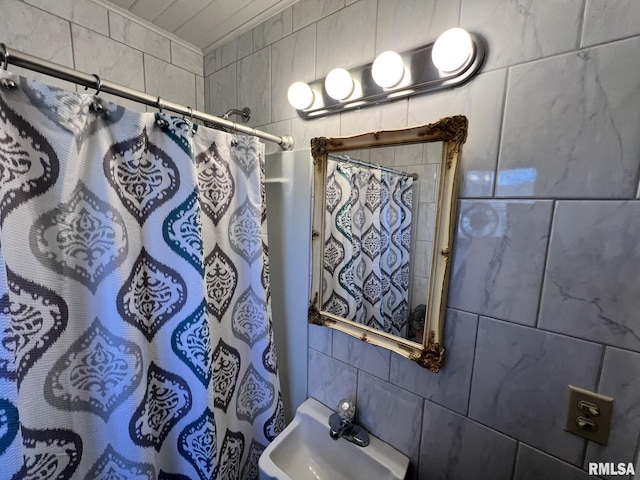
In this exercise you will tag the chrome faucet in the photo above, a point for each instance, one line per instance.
(342, 426)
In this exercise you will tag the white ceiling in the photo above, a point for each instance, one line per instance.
(206, 24)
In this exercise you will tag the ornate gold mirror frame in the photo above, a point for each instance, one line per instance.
(452, 132)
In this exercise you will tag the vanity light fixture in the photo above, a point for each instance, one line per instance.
(388, 69)
(453, 59)
(338, 84)
(452, 50)
(300, 95)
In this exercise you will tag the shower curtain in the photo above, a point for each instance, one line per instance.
(135, 309)
(367, 242)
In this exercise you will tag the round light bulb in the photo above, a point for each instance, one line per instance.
(387, 69)
(452, 50)
(300, 95)
(339, 84)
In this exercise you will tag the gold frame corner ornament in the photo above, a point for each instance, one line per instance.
(452, 132)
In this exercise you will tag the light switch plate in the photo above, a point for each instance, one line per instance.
(589, 414)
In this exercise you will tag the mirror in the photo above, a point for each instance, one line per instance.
(383, 225)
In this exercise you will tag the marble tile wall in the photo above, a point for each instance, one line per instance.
(543, 288)
(547, 257)
(544, 282)
(87, 36)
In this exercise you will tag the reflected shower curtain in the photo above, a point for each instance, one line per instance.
(136, 323)
(367, 242)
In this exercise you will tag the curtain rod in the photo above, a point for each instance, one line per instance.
(347, 158)
(36, 64)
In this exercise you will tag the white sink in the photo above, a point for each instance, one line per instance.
(305, 451)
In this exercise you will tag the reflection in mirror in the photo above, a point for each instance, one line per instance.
(383, 225)
(367, 242)
(378, 238)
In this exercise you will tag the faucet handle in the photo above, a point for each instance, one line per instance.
(347, 409)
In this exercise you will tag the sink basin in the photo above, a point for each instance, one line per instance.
(305, 451)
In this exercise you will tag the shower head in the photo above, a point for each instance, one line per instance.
(245, 113)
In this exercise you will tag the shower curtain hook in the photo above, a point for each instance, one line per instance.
(96, 105)
(160, 122)
(99, 86)
(5, 56)
(190, 114)
(6, 83)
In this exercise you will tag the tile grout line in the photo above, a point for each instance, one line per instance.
(545, 263)
(422, 427)
(144, 83)
(494, 189)
(521, 63)
(271, 105)
(599, 374)
(585, 448)
(473, 364)
(109, 24)
(583, 18)
(73, 47)
(552, 332)
(515, 460)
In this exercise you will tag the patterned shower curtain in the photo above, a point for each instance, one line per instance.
(136, 338)
(366, 251)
